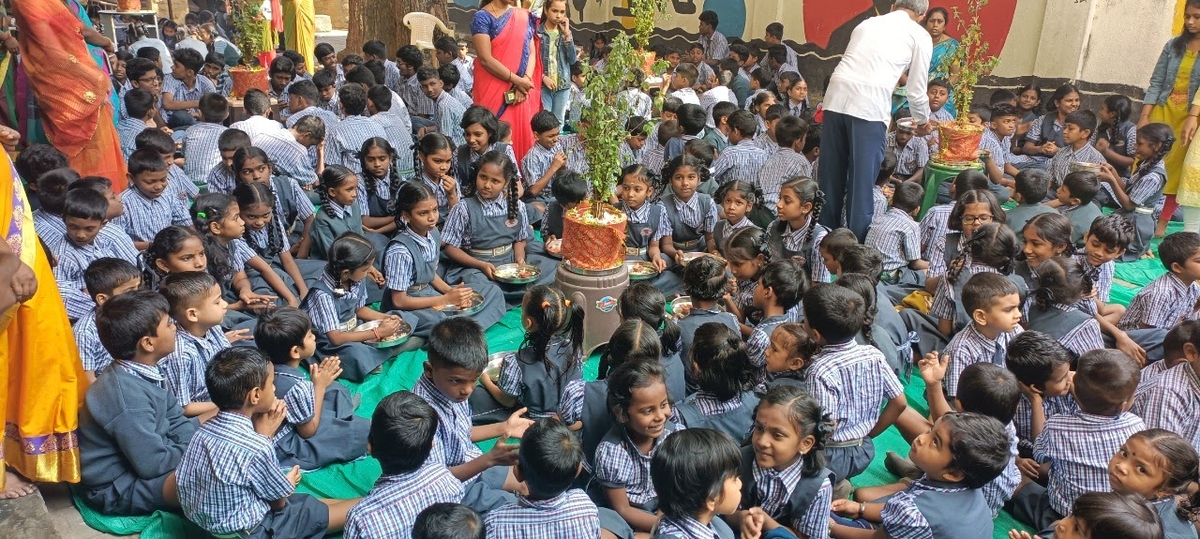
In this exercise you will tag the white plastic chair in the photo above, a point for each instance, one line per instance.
(420, 26)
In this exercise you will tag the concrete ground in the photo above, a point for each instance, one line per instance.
(46, 514)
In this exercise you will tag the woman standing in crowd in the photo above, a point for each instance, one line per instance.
(1172, 89)
(508, 78)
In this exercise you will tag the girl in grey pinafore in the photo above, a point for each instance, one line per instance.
(490, 238)
(1143, 189)
(641, 229)
(724, 378)
(341, 436)
(270, 239)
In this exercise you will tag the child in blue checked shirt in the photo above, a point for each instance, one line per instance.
(132, 431)
(150, 205)
(229, 481)
(448, 521)
(1172, 298)
(1105, 514)
(696, 473)
(403, 428)
(457, 357)
(834, 315)
(780, 287)
(542, 161)
(200, 151)
(898, 238)
(197, 307)
(1075, 199)
(181, 185)
(1174, 393)
(85, 214)
(961, 453)
(550, 458)
(994, 306)
(1074, 448)
(222, 178)
(1177, 348)
(742, 159)
(1051, 309)
(104, 279)
(691, 215)
(705, 283)
(720, 368)
(1137, 196)
(1043, 368)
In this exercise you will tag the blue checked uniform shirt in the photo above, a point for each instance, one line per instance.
(1060, 164)
(911, 157)
(1078, 447)
(73, 261)
(793, 240)
(897, 237)
(741, 161)
(398, 261)
(1000, 489)
(301, 403)
(127, 130)
(399, 135)
(623, 466)
(775, 489)
(346, 140)
(145, 217)
(258, 125)
(417, 102)
(852, 381)
(200, 152)
(448, 117)
(93, 354)
(220, 179)
(331, 120)
(1149, 380)
(1023, 419)
(453, 445)
(686, 527)
(969, 347)
(782, 166)
(901, 517)
(570, 514)
(1164, 302)
(1171, 404)
(535, 164)
(290, 158)
(184, 368)
(323, 311)
(180, 92)
(391, 507)
(999, 148)
(934, 227)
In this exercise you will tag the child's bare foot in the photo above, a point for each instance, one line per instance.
(16, 486)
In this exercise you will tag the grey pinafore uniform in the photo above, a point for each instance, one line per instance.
(341, 436)
(638, 235)
(490, 233)
(358, 359)
(736, 423)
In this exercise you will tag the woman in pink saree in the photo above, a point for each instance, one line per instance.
(505, 41)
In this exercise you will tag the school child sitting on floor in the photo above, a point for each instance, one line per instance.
(739, 200)
(911, 155)
(691, 215)
(340, 213)
(866, 261)
(292, 205)
(85, 214)
(104, 279)
(378, 162)
(1043, 368)
(1105, 514)
(1177, 348)
(457, 357)
(481, 128)
(898, 238)
(1061, 282)
(1077, 145)
(781, 284)
(1167, 403)
(648, 222)
(742, 159)
(1171, 298)
(402, 431)
(835, 316)
(1075, 200)
(338, 301)
(1137, 196)
(320, 427)
(132, 431)
(962, 453)
(1104, 383)
(994, 308)
(705, 284)
(791, 352)
(229, 480)
(935, 224)
(796, 234)
(1045, 236)
(696, 473)
(873, 334)
(885, 186)
(218, 219)
(448, 521)
(265, 234)
(149, 203)
(434, 162)
(1031, 186)
(747, 255)
(569, 190)
(542, 162)
(1156, 466)
(724, 376)
(997, 142)
(197, 306)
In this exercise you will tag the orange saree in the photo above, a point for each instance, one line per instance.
(511, 47)
(41, 377)
(71, 90)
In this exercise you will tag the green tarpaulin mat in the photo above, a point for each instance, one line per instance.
(354, 479)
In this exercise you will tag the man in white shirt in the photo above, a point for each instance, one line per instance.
(858, 109)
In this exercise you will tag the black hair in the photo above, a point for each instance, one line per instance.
(1060, 280)
(508, 170)
(633, 340)
(282, 64)
(348, 252)
(666, 131)
(233, 373)
(99, 184)
(549, 459)
(1180, 335)
(908, 196)
(690, 468)
(1002, 95)
(983, 290)
(568, 187)
(775, 30)
(122, 321)
(837, 240)
(998, 111)
(406, 197)
(808, 418)
(411, 55)
(138, 67)
(458, 342)
(1031, 87)
(552, 315)
(1032, 185)
(864, 286)
(801, 342)
(85, 204)
(323, 78)
(834, 312)
(939, 82)
(190, 59)
(1178, 462)
(624, 379)
(722, 110)
(351, 61)
(749, 191)
(748, 243)
(685, 161)
(279, 330)
(402, 431)
(213, 208)
(543, 121)
(740, 50)
(378, 72)
(887, 167)
(148, 53)
(702, 150)
(1032, 357)
(806, 190)
(636, 125)
(353, 99)
(447, 45)
(1059, 94)
(721, 361)
(743, 122)
(704, 279)
(979, 447)
(989, 389)
(333, 177)
(789, 130)
(1117, 516)
(761, 98)
(709, 17)
(687, 73)
(1155, 133)
(139, 103)
(1176, 248)
(39, 159)
(375, 48)
(143, 161)
(1105, 381)
(393, 178)
(1085, 120)
(232, 139)
(975, 196)
(1120, 106)
(476, 114)
(692, 119)
(1115, 231)
(427, 73)
(972, 179)
(764, 80)
(247, 153)
(1055, 228)
(156, 140)
(306, 89)
(647, 303)
(778, 53)
(214, 108)
(186, 290)
(503, 130)
(167, 242)
(653, 182)
(1179, 43)
(448, 521)
(296, 58)
(786, 281)
(322, 50)
(992, 244)
(381, 97)
(104, 275)
(360, 75)
(577, 69)
(427, 145)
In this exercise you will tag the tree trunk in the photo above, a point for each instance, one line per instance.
(384, 20)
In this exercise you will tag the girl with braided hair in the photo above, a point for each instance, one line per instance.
(692, 215)
(990, 249)
(737, 198)
(796, 234)
(379, 177)
(1138, 195)
(218, 220)
(647, 225)
(433, 156)
(265, 234)
(747, 253)
(1050, 309)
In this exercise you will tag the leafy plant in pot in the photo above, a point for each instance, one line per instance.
(959, 139)
(594, 232)
(248, 31)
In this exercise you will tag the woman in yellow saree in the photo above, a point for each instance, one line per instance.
(300, 30)
(41, 378)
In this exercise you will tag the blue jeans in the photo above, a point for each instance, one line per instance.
(856, 148)
(557, 102)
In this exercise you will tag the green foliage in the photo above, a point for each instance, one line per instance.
(971, 57)
(247, 29)
(602, 123)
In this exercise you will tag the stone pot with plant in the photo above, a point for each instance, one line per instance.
(249, 32)
(959, 140)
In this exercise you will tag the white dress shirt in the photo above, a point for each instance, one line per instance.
(880, 49)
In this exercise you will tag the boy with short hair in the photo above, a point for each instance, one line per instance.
(451, 80)
(718, 135)
(578, 99)
(304, 99)
(448, 521)
(696, 475)
(550, 459)
(132, 431)
(1075, 197)
(766, 140)
(834, 316)
(104, 279)
(898, 237)
(997, 142)
(911, 156)
(1170, 403)
(182, 90)
(938, 90)
(1077, 147)
(396, 124)
(148, 206)
(743, 159)
(197, 306)
(1177, 349)
(446, 51)
(691, 124)
(180, 185)
(327, 86)
(1029, 190)
(1043, 367)
(216, 71)
(682, 80)
(229, 480)
(457, 357)
(200, 153)
(1171, 298)
(403, 428)
(569, 190)
(257, 105)
(221, 179)
(1074, 448)
(143, 109)
(345, 139)
(788, 162)
(543, 160)
(448, 110)
(993, 305)
(962, 453)
(85, 212)
(655, 157)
